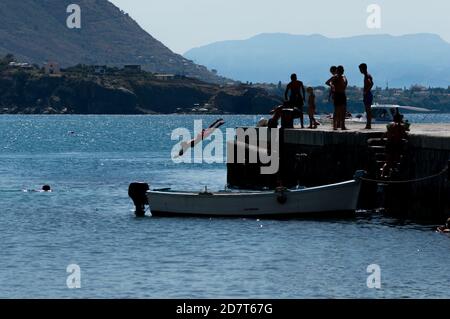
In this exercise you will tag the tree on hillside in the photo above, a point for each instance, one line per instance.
(6, 60)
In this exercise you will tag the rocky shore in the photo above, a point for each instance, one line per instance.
(79, 90)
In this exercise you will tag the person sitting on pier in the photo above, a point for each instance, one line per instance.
(286, 114)
(396, 139)
(297, 95)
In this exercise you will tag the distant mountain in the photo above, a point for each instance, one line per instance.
(36, 31)
(400, 60)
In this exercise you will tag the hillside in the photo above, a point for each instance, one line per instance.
(79, 90)
(35, 31)
(402, 61)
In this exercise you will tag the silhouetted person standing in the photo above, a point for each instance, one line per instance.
(297, 96)
(339, 86)
(368, 96)
(333, 71)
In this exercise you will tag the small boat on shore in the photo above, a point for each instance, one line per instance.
(336, 199)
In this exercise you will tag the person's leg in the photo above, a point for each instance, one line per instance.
(311, 121)
(339, 115)
(343, 116)
(369, 116)
(335, 118)
(300, 108)
(368, 101)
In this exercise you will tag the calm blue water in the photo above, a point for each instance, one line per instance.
(88, 221)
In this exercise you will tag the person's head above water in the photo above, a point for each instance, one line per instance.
(46, 188)
(333, 69)
(340, 70)
(293, 77)
(363, 68)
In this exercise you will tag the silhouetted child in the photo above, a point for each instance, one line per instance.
(311, 107)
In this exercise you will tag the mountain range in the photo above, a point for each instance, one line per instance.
(35, 31)
(396, 61)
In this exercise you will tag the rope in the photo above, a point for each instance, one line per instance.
(406, 181)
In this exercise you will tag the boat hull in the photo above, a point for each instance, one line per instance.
(337, 200)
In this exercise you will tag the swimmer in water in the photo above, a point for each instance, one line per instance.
(44, 189)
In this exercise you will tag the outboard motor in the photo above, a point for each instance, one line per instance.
(138, 193)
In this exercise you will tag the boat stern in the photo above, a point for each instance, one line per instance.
(138, 193)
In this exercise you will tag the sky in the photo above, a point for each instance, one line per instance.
(185, 24)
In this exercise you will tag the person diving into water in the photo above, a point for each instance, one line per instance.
(200, 137)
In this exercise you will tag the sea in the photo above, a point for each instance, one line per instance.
(83, 241)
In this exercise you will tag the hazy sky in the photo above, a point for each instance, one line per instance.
(184, 24)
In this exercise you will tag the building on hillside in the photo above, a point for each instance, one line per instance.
(20, 65)
(100, 69)
(132, 68)
(52, 68)
(165, 77)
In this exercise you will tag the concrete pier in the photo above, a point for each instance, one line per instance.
(323, 156)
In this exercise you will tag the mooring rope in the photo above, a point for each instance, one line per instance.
(410, 181)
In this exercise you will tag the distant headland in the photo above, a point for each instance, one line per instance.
(98, 89)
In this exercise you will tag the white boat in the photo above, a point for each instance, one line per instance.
(384, 113)
(336, 199)
(381, 113)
